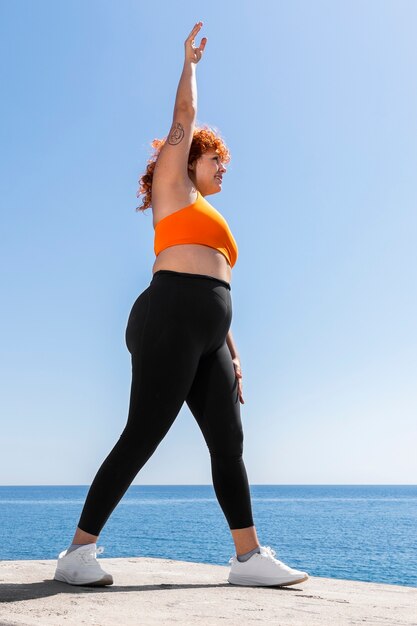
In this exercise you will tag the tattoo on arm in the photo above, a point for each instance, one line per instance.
(176, 134)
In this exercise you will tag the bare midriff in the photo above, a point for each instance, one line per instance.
(194, 259)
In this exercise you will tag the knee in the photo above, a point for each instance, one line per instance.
(231, 451)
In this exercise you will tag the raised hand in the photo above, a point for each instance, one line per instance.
(191, 53)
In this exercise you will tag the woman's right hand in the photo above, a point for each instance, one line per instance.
(194, 54)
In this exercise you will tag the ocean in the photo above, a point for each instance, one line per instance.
(355, 532)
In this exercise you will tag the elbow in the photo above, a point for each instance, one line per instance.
(186, 107)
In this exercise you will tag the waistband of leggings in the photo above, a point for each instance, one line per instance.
(194, 276)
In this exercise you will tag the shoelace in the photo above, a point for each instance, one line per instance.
(87, 556)
(270, 553)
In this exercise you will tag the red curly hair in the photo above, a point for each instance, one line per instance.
(204, 138)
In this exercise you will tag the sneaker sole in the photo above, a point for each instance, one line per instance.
(105, 580)
(241, 580)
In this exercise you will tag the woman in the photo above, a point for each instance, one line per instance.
(178, 335)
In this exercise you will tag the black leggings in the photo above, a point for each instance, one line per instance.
(176, 335)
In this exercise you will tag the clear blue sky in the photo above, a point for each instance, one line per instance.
(317, 102)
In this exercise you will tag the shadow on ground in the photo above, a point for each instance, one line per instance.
(14, 592)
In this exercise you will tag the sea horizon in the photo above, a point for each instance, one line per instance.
(209, 484)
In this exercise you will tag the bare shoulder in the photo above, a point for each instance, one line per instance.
(168, 198)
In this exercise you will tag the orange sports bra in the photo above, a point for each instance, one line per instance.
(197, 223)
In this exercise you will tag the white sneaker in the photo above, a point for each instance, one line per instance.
(262, 569)
(80, 567)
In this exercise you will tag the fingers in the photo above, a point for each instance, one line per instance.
(194, 31)
(240, 387)
(241, 394)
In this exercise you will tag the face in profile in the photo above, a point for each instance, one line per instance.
(207, 173)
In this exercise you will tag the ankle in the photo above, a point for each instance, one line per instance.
(245, 557)
(83, 538)
(247, 549)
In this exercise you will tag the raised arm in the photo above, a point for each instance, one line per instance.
(187, 88)
(172, 164)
